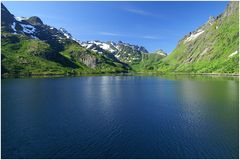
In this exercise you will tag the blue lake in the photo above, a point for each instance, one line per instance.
(120, 117)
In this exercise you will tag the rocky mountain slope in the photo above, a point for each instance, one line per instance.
(212, 48)
(124, 52)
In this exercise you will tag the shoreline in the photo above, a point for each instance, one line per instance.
(119, 74)
(204, 74)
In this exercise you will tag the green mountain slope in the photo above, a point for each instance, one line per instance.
(22, 55)
(149, 62)
(212, 48)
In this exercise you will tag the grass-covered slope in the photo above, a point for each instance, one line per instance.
(212, 48)
(149, 62)
(26, 56)
(22, 55)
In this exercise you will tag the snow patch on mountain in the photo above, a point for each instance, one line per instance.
(107, 47)
(124, 52)
(34, 37)
(111, 47)
(162, 54)
(233, 54)
(20, 19)
(65, 33)
(13, 26)
(193, 36)
(89, 46)
(28, 28)
(103, 45)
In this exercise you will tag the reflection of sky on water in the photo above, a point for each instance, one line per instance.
(106, 92)
(191, 98)
(121, 114)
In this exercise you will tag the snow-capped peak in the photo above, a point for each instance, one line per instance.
(103, 45)
(65, 33)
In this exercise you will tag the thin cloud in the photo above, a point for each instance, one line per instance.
(150, 37)
(109, 34)
(131, 36)
(142, 12)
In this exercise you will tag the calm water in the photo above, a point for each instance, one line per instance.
(120, 117)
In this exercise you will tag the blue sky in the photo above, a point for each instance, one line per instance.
(154, 25)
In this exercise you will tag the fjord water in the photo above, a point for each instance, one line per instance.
(120, 117)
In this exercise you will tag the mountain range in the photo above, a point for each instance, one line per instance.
(30, 47)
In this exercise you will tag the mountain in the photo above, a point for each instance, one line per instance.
(124, 52)
(31, 47)
(211, 48)
(149, 61)
(160, 52)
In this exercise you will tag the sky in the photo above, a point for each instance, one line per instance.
(154, 25)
